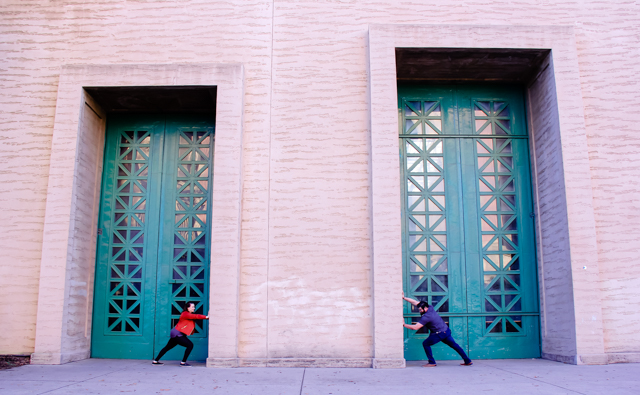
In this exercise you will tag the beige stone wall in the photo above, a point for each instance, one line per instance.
(557, 321)
(305, 278)
(63, 320)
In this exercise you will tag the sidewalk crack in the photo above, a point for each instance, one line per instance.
(302, 382)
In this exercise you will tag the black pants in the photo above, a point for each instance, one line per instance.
(447, 339)
(174, 341)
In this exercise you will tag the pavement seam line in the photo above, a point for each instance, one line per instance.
(540, 381)
(78, 382)
(302, 382)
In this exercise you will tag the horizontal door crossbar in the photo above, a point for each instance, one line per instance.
(492, 314)
(464, 136)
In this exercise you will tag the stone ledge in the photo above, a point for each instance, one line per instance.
(595, 359)
(570, 359)
(292, 362)
(387, 363)
(592, 359)
(56, 358)
(623, 357)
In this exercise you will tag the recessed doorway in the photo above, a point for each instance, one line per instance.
(154, 233)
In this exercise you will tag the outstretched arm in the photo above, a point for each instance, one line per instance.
(412, 301)
(414, 327)
(190, 316)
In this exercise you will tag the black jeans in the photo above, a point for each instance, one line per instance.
(174, 341)
(447, 339)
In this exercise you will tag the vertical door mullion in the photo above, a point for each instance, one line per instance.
(469, 210)
(526, 231)
(461, 329)
(167, 196)
(457, 237)
(526, 236)
(473, 247)
(155, 196)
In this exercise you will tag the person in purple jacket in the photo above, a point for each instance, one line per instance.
(438, 332)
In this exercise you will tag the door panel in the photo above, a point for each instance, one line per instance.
(127, 249)
(433, 260)
(500, 257)
(186, 215)
(492, 292)
(156, 169)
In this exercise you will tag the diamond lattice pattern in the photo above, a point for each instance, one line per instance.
(499, 232)
(126, 258)
(422, 117)
(426, 223)
(491, 117)
(190, 247)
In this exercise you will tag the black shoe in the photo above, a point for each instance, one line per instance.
(185, 364)
(156, 363)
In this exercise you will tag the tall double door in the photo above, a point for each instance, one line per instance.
(154, 234)
(468, 220)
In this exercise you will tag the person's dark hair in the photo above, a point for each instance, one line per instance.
(186, 305)
(422, 304)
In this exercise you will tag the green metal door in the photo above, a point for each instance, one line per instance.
(154, 238)
(468, 241)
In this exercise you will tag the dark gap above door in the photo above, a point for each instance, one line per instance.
(469, 64)
(156, 99)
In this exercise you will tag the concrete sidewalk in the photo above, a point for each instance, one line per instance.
(109, 376)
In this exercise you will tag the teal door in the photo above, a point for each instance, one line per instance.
(154, 234)
(467, 217)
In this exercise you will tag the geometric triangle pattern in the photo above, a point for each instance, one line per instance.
(126, 244)
(190, 267)
(498, 228)
(491, 117)
(421, 117)
(425, 216)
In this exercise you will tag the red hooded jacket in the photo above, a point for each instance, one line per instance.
(186, 324)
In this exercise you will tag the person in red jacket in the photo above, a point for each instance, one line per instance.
(179, 334)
